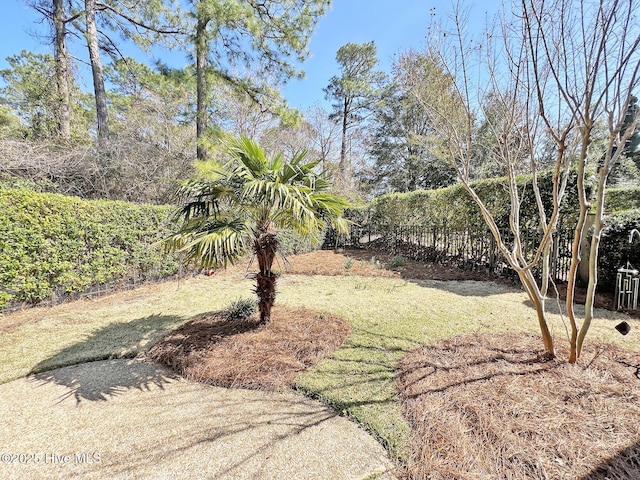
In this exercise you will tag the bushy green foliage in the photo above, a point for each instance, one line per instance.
(397, 261)
(617, 247)
(454, 209)
(292, 243)
(622, 199)
(51, 244)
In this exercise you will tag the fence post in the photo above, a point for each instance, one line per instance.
(492, 255)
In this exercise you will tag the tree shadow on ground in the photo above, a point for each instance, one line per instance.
(375, 263)
(118, 340)
(626, 464)
(241, 352)
(102, 380)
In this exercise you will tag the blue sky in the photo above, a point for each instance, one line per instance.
(394, 25)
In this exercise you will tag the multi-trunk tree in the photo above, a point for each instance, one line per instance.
(558, 73)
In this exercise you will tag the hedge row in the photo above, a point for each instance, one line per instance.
(54, 245)
(618, 247)
(622, 199)
(453, 208)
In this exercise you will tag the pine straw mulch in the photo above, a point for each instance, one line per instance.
(226, 352)
(374, 263)
(491, 407)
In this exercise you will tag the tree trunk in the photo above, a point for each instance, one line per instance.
(593, 255)
(96, 70)
(201, 86)
(529, 282)
(265, 248)
(575, 258)
(342, 166)
(62, 69)
(524, 274)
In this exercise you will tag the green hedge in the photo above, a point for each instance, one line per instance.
(622, 199)
(454, 209)
(54, 245)
(616, 249)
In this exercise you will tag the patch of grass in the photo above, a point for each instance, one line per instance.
(124, 324)
(348, 264)
(397, 261)
(388, 318)
(359, 378)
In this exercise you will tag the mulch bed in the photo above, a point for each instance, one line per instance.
(374, 263)
(227, 352)
(491, 406)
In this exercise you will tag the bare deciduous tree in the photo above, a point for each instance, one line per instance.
(326, 134)
(555, 70)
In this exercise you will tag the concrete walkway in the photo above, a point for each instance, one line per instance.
(129, 419)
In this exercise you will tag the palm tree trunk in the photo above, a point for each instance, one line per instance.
(265, 247)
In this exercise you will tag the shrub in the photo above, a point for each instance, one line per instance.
(292, 243)
(54, 245)
(453, 208)
(396, 261)
(616, 249)
(622, 199)
(241, 309)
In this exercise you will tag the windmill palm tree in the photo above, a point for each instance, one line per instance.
(244, 205)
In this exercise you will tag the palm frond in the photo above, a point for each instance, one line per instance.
(278, 196)
(256, 193)
(276, 163)
(201, 198)
(252, 160)
(340, 224)
(211, 244)
(326, 203)
(297, 172)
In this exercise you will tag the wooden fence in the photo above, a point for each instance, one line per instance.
(469, 250)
